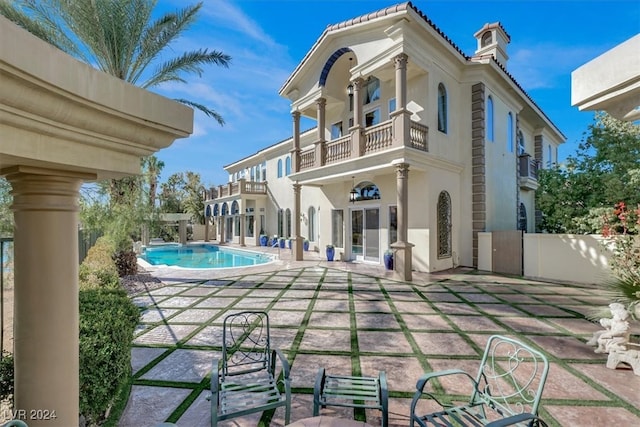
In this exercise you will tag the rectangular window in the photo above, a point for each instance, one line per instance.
(393, 224)
(372, 118)
(392, 106)
(336, 130)
(337, 228)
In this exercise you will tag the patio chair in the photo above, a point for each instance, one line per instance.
(506, 390)
(15, 423)
(247, 381)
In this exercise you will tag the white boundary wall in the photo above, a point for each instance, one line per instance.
(563, 257)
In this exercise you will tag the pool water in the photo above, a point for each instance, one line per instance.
(202, 256)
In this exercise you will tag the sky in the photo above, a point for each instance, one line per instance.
(266, 39)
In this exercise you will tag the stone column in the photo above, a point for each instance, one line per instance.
(182, 231)
(242, 228)
(45, 207)
(401, 118)
(207, 219)
(357, 130)
(321, 104)
(221, 228)
(402, 249)
(297, 239)
(295, 151)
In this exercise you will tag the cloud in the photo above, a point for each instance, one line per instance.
(541, 65)
(229, 16)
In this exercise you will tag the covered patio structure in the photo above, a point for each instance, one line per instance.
(62, 123)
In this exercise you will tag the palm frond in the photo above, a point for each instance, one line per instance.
(209, 112)
(189, 62)
(158, 35)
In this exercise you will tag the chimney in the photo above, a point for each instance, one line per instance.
(493, 40)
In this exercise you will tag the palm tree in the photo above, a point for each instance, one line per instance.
(152, 168)
(119, 37)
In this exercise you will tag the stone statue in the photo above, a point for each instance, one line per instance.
(616, 333)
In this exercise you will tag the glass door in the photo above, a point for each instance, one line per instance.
(365, 234)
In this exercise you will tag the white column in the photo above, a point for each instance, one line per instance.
(45, 206)
(357, 130)
(295, 151)
(402, 249)
(401, 118)
(242, 229)
(321, 104)
(297, 239)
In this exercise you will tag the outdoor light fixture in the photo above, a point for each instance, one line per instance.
(353, 194)
(350, 89)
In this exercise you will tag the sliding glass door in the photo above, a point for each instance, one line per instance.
(365, 234)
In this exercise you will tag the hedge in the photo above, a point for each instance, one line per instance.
(98, 270)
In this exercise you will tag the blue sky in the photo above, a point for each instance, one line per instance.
(267, 38)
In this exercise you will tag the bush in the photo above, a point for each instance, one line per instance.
(6, 376)
(98, 269)
(107, 321)
(126, 263)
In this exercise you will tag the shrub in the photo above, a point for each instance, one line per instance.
(98, 269)
(126, 263)
(6, 376)
(107, 321)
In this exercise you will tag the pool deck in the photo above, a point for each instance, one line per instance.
(352, 317)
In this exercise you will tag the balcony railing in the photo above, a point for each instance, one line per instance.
(374, 139)
(242, 186)
(528, 172)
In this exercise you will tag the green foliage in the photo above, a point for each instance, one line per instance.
(107, 321)
(6, 216)
(126, 263)
(604, 171)
(98, 270)
(6, 376)
(123, 38)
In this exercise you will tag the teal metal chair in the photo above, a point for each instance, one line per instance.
(15, 423)
(246, 380)
(506, 390)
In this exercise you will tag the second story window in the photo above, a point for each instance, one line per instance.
(490, 118)
(442, 108)
(510, 132)
(279, 168)
(336, 130)
(521, 143)
(392, 105)
(372, 117)
(372, 90)
(287, 166)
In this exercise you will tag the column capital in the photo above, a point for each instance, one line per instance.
(321, 102)
(358, 82)
(400, 60)
(295, 115)
(402, 170)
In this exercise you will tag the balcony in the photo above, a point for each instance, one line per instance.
(242, 186)
(375, 139)
(528, 178)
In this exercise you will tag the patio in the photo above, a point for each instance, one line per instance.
(356, 319)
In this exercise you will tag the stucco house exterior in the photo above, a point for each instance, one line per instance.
(418, 147)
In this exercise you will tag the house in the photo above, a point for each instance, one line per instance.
(417, 148)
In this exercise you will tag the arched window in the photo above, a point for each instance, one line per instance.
(280, 223)
(371, 90)
(288, 217)
(486, 40)
(312, 224)
(264, 171)
(287, 166)
(549, 156)
(253, 173)
(490, 118)
(510, 132)
(442, 108)
(444, 225)
(279, 168)
(522, 218)
(521, 143)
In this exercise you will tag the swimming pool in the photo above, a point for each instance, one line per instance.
(202, 256)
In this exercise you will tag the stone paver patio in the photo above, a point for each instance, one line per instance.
(355, 319)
